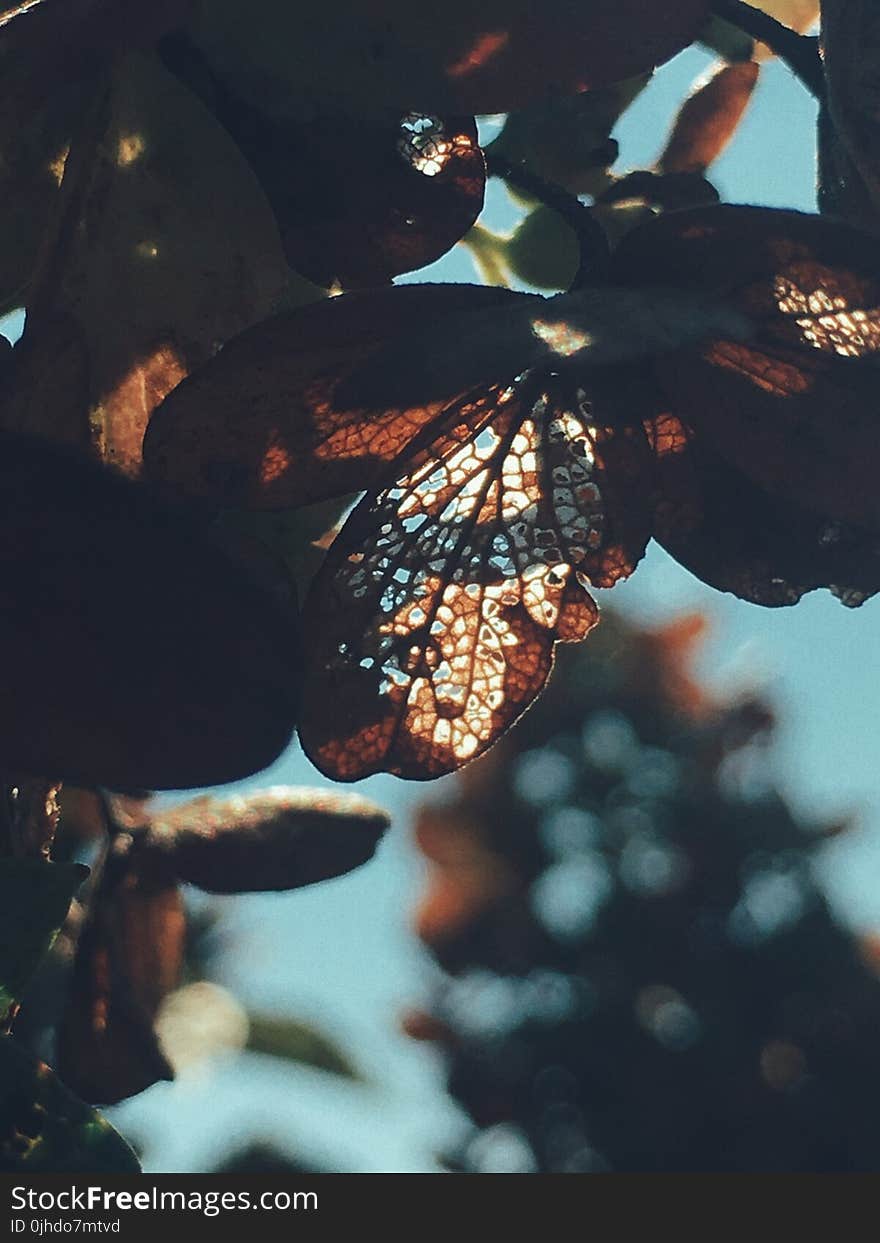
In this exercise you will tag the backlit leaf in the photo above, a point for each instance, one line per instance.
(433, 620)
(708, 119)
(315, 403)
(795, 407)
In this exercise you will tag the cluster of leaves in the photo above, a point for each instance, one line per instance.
(642, 973)
(182, 184)
(121, 960)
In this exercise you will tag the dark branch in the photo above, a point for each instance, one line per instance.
(800, 52)
(590, 234)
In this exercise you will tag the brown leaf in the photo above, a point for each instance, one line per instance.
(359, 198)
(708, 119)
(794, 408)
(739, 538)
(260, 425)
(316, 402)
(492, 57)
(169, 666)
(165, 247)
(129, 956)
(432, 622)
(280, 838)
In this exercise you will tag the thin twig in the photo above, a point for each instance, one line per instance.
(589, 233)
(799, 52)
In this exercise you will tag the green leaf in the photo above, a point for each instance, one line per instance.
(34, 900)
(44, 1128)
(295, 1041)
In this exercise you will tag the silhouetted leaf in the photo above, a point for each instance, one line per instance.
(137, 654)
(739, 538)
(358, 197)
(280, 838)
(849, 155)
(491, 57)
(48, 42)
(44, 1128)
(34, 899)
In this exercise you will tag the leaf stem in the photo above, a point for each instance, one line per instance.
(590, 234)
(799, 52)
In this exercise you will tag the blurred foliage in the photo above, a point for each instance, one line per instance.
(643, 973)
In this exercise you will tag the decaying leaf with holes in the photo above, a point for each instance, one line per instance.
(128, 958)
(144, 278)
(849, 126)
(502, 484)
(283, 837)
(492, 57)
(794, 408)
(45, 1129)
(170, 667)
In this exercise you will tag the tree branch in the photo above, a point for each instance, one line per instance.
(800, 52)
